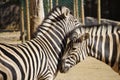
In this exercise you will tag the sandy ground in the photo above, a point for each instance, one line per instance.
(89, 69)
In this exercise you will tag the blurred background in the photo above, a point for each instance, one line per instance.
(20, 18)
(10, 10)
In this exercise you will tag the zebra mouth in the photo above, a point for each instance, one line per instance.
(64, 68)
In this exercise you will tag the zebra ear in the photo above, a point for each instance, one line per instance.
(66, 12)
(82, 38)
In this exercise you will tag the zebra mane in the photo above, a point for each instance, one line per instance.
(97, 25)
(93, 25)
(55, 9)
(74, 37)
(59, 14)
(59, 17)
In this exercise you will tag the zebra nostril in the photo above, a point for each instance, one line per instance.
(64, 69)
(64, 66)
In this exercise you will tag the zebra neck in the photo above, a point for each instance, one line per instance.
(54, 50)
(52, 44)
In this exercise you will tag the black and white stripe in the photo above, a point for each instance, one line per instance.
(38, 58)
(103, 43)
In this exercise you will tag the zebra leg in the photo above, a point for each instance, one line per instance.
(48, 78)
(46, 74)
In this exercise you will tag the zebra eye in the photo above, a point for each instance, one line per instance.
(73, 48)
(71, 12)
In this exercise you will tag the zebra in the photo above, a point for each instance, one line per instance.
(99, 41)
(39, 58)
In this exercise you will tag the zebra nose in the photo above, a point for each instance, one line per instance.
(64, 68)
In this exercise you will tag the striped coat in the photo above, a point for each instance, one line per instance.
(38, 58)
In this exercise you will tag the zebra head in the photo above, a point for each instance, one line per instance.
(73, 53)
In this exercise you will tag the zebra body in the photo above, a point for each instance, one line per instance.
(103, 43)
(25, 60)
(38, 58)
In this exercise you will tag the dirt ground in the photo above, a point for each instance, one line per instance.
(89, 69)
(10, 37)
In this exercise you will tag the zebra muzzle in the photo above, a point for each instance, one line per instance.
(63, 67)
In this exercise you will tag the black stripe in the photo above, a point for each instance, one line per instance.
(91, 41)
(94, 45)
(58, 18)
(37, 60)
(50, 42)
(3, 74)
(49, 54)
(55, 9)
(8, 54)
(57, 28)
(43, 55)
(10, 67)
(112, 27)
(54, 53)
(33, 52)
(44, 39)
(107, 49)
(114, 53)
(21, 47)
(55, 39)
(17, 52)
(100, 47)
(95, 41)
(29, 53)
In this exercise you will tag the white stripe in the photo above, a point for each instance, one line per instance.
(93, 40)
(54, 59)
(98, 38)
(90, 42)
(33, 55)
(30, 62)
(6, 70)
(10, 62)
(118, 49)
(111, 43)
(103, 42)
